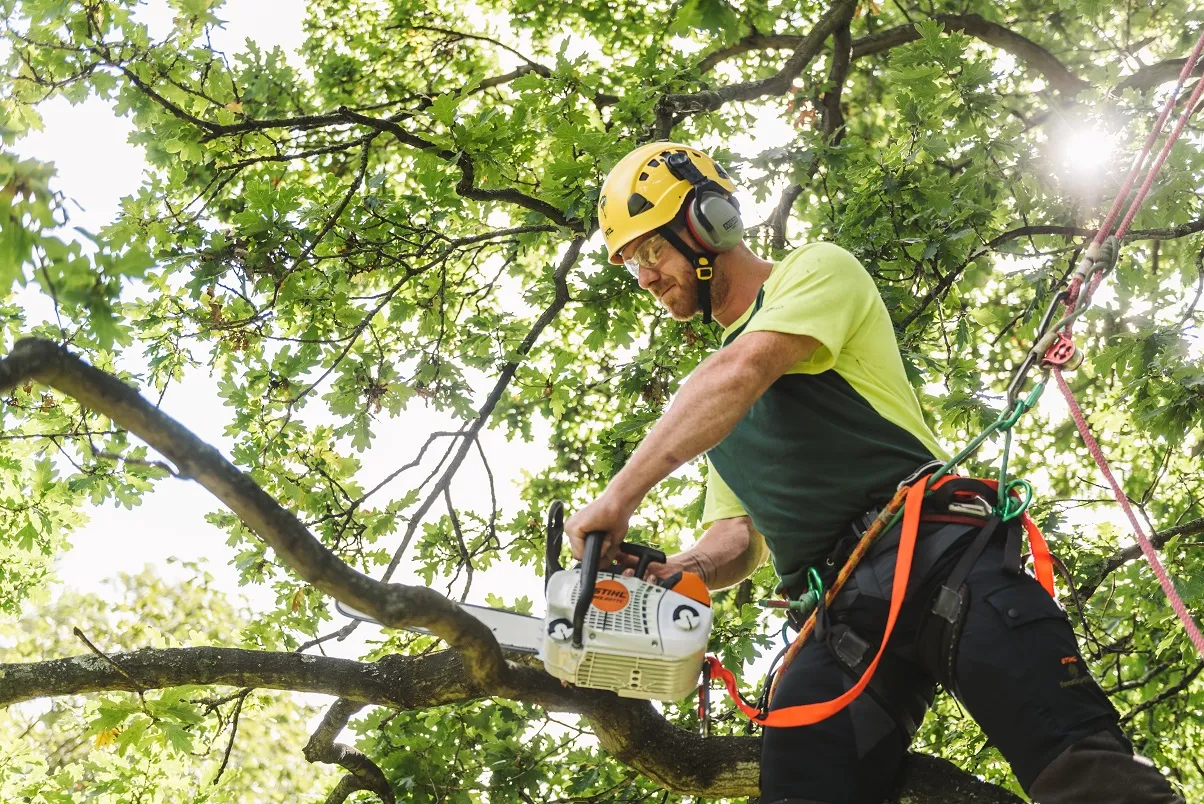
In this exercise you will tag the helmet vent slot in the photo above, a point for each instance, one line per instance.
(637, 204)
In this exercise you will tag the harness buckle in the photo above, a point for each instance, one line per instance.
(917, 474)
(850, 647)
(976, 507)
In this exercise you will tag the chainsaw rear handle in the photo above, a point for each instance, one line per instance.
(590, 560)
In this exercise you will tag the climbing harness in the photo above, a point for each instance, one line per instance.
(1053, 352)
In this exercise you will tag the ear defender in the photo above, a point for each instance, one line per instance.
(712, 216)
(714, 221)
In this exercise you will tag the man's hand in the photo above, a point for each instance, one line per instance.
(656, 571)
(607, 514)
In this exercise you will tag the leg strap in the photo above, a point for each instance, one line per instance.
(937, 640)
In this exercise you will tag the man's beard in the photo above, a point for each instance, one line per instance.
(683, 304)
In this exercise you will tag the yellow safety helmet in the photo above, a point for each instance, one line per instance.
(641, 194)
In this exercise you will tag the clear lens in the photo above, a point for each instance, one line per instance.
(647, 255)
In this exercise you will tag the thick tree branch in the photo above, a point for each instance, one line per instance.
(833, 131)
(393, 604)
(632, 731)
(1056, 74)
(993, 33)
(671, 106)
(1156, 74)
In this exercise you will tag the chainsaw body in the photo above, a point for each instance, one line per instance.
(640, 640)
(604, 630)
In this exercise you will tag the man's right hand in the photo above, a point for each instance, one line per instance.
(656, 571)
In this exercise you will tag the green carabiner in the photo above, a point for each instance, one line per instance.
(814, 582)
(1011, 507)
(1009, 418)
(1031, 402)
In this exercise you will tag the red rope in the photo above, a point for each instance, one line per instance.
(1146, 546)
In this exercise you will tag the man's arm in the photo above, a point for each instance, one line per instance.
(705, 410)
(729, 551)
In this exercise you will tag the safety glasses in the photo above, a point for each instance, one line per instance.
(646, 255)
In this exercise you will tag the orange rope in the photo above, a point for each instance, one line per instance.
(863, 545)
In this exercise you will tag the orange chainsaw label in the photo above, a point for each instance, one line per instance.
(610, 596)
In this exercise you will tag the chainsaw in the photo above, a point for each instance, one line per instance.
(606, 630)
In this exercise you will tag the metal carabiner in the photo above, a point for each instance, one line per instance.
(1039, 348)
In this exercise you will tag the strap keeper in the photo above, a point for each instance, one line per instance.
(704, 272)
(850, 648)
(948, 605)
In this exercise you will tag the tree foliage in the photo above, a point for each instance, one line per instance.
(406, 223)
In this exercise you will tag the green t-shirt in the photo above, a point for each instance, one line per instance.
(836, 433)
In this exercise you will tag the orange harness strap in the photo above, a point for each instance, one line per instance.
(807, 714)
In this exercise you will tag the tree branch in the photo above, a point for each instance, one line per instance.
(393, 604)
(947, 281)
(673, 105)
(993, 33)
(833, 130)
(466, 187)
(559, 280)
(364, 773)
(632, 731)
(1156, 74)
(1133, 552)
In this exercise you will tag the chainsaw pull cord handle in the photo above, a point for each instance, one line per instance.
(555, 540)
(587, 578)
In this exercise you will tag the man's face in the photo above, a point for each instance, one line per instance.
(666, 274)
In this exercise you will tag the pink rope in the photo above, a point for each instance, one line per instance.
(1155, 131)
(1166, 149)
(1147, 547)
(1093, 281)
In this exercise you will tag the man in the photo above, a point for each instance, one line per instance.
(809, 425)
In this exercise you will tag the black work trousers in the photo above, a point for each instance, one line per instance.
(1017, 671)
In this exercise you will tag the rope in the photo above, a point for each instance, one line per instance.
(1147, 547)
(885, 520)
(1155, 131)
(1096, 276)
